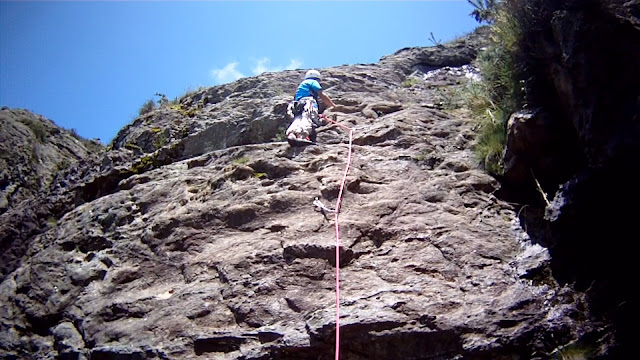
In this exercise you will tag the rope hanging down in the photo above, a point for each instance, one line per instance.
(336, 213)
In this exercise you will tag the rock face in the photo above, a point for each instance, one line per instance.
(582, 143)
(33, 152)
(195, 236)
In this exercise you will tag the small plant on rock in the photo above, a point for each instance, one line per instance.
(37, 128)
(159, 140)
(436, 42)
(241, 161)
(163, 100)
(410, 81)
(280, 134)
(147, 107)
(484, 10)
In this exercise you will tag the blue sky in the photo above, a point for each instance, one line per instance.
(89, 66)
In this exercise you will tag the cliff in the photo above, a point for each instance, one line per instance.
(194, 236)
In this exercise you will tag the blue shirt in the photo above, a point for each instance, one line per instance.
(309, 87)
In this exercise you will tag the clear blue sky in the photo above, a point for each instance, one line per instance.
(89, 66)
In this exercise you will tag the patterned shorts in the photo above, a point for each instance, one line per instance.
(305, 119)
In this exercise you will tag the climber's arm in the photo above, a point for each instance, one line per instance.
(326, 100)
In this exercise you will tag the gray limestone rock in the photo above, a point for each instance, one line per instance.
(200, 240)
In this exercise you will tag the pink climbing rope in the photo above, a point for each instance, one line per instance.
(337, 211)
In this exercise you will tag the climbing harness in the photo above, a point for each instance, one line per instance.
(302, 130)
(336, 212)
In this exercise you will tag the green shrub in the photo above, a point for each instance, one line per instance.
(145, 163)
(241, 161)
(484, 10)
(52, 221)
(410, 81)
(93, 145)
(192, 91)
(281, 134)
(500, 92)
(576, 351)
(163, 100)
(37, 128)
(133, 147)
(63, 165)
(467, 95)
(159, 140)
(421, 157)
(490, 143)
(147, 107)
(187, 112)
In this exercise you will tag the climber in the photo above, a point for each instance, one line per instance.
(303, 111)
